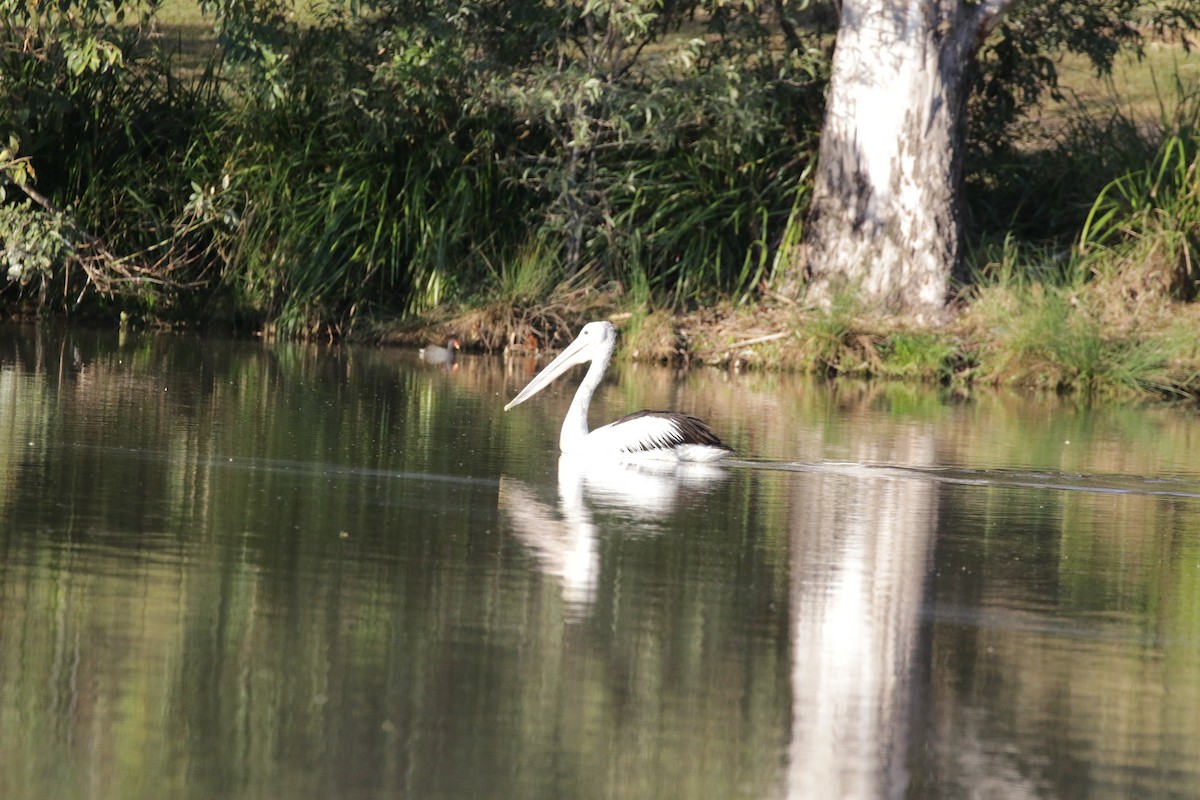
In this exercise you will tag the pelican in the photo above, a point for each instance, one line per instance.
(646, 434)
(433, 354)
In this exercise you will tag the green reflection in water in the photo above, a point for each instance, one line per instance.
(243, 570)
(238, 570)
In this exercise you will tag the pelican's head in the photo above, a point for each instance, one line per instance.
(595, 340)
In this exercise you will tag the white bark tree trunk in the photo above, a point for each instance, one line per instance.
(885, 216)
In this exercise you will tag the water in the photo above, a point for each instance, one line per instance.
(247, 570)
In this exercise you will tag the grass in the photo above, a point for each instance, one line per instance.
(527, 277)
(180, 30)
(1136, 88)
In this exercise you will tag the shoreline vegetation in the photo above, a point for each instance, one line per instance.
(407, 173)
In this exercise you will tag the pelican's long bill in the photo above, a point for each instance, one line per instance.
(566, 359)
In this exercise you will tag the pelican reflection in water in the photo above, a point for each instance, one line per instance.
(636, 498)
(645, 434)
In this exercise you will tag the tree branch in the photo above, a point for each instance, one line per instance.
(101, 267)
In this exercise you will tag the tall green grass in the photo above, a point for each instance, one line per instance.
(1050, 337)
(323, 240)
(1147, 221)
(700, 231)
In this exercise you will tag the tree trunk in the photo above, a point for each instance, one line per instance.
(884, 225)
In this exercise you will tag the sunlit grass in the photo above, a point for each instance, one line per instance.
(1136, 88)
(919, 355)
(187, 13)
(183, 30)
(1063, 340)
(528, 276)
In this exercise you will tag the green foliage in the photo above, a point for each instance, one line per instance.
(670, 170)
(917, 355)
(32, 244)
(255, 35)
(319, 238)
(1017, 68)
(827, 337)
(14, 168)
(1041, 194)
(406, 153)
(1104, 186)
(681, 173)
(1156, 208)
(834, 341)
(1138, 197)
(1017, 265)
(52, 52)
(76, 39)
(400, 154)
(97, 109)
(1035, 178)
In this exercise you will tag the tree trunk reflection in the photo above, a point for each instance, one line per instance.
(860, 546)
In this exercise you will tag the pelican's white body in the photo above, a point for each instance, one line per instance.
(648, 434)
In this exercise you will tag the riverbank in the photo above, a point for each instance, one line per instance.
(401, 182)
(1076, 341)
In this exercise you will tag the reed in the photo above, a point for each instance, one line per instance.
(694, 231)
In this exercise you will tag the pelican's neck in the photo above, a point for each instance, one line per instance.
(575, 426)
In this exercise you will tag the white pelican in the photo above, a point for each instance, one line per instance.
(646, 434)
(434, 354)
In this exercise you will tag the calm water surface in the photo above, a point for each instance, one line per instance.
(246, 570)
